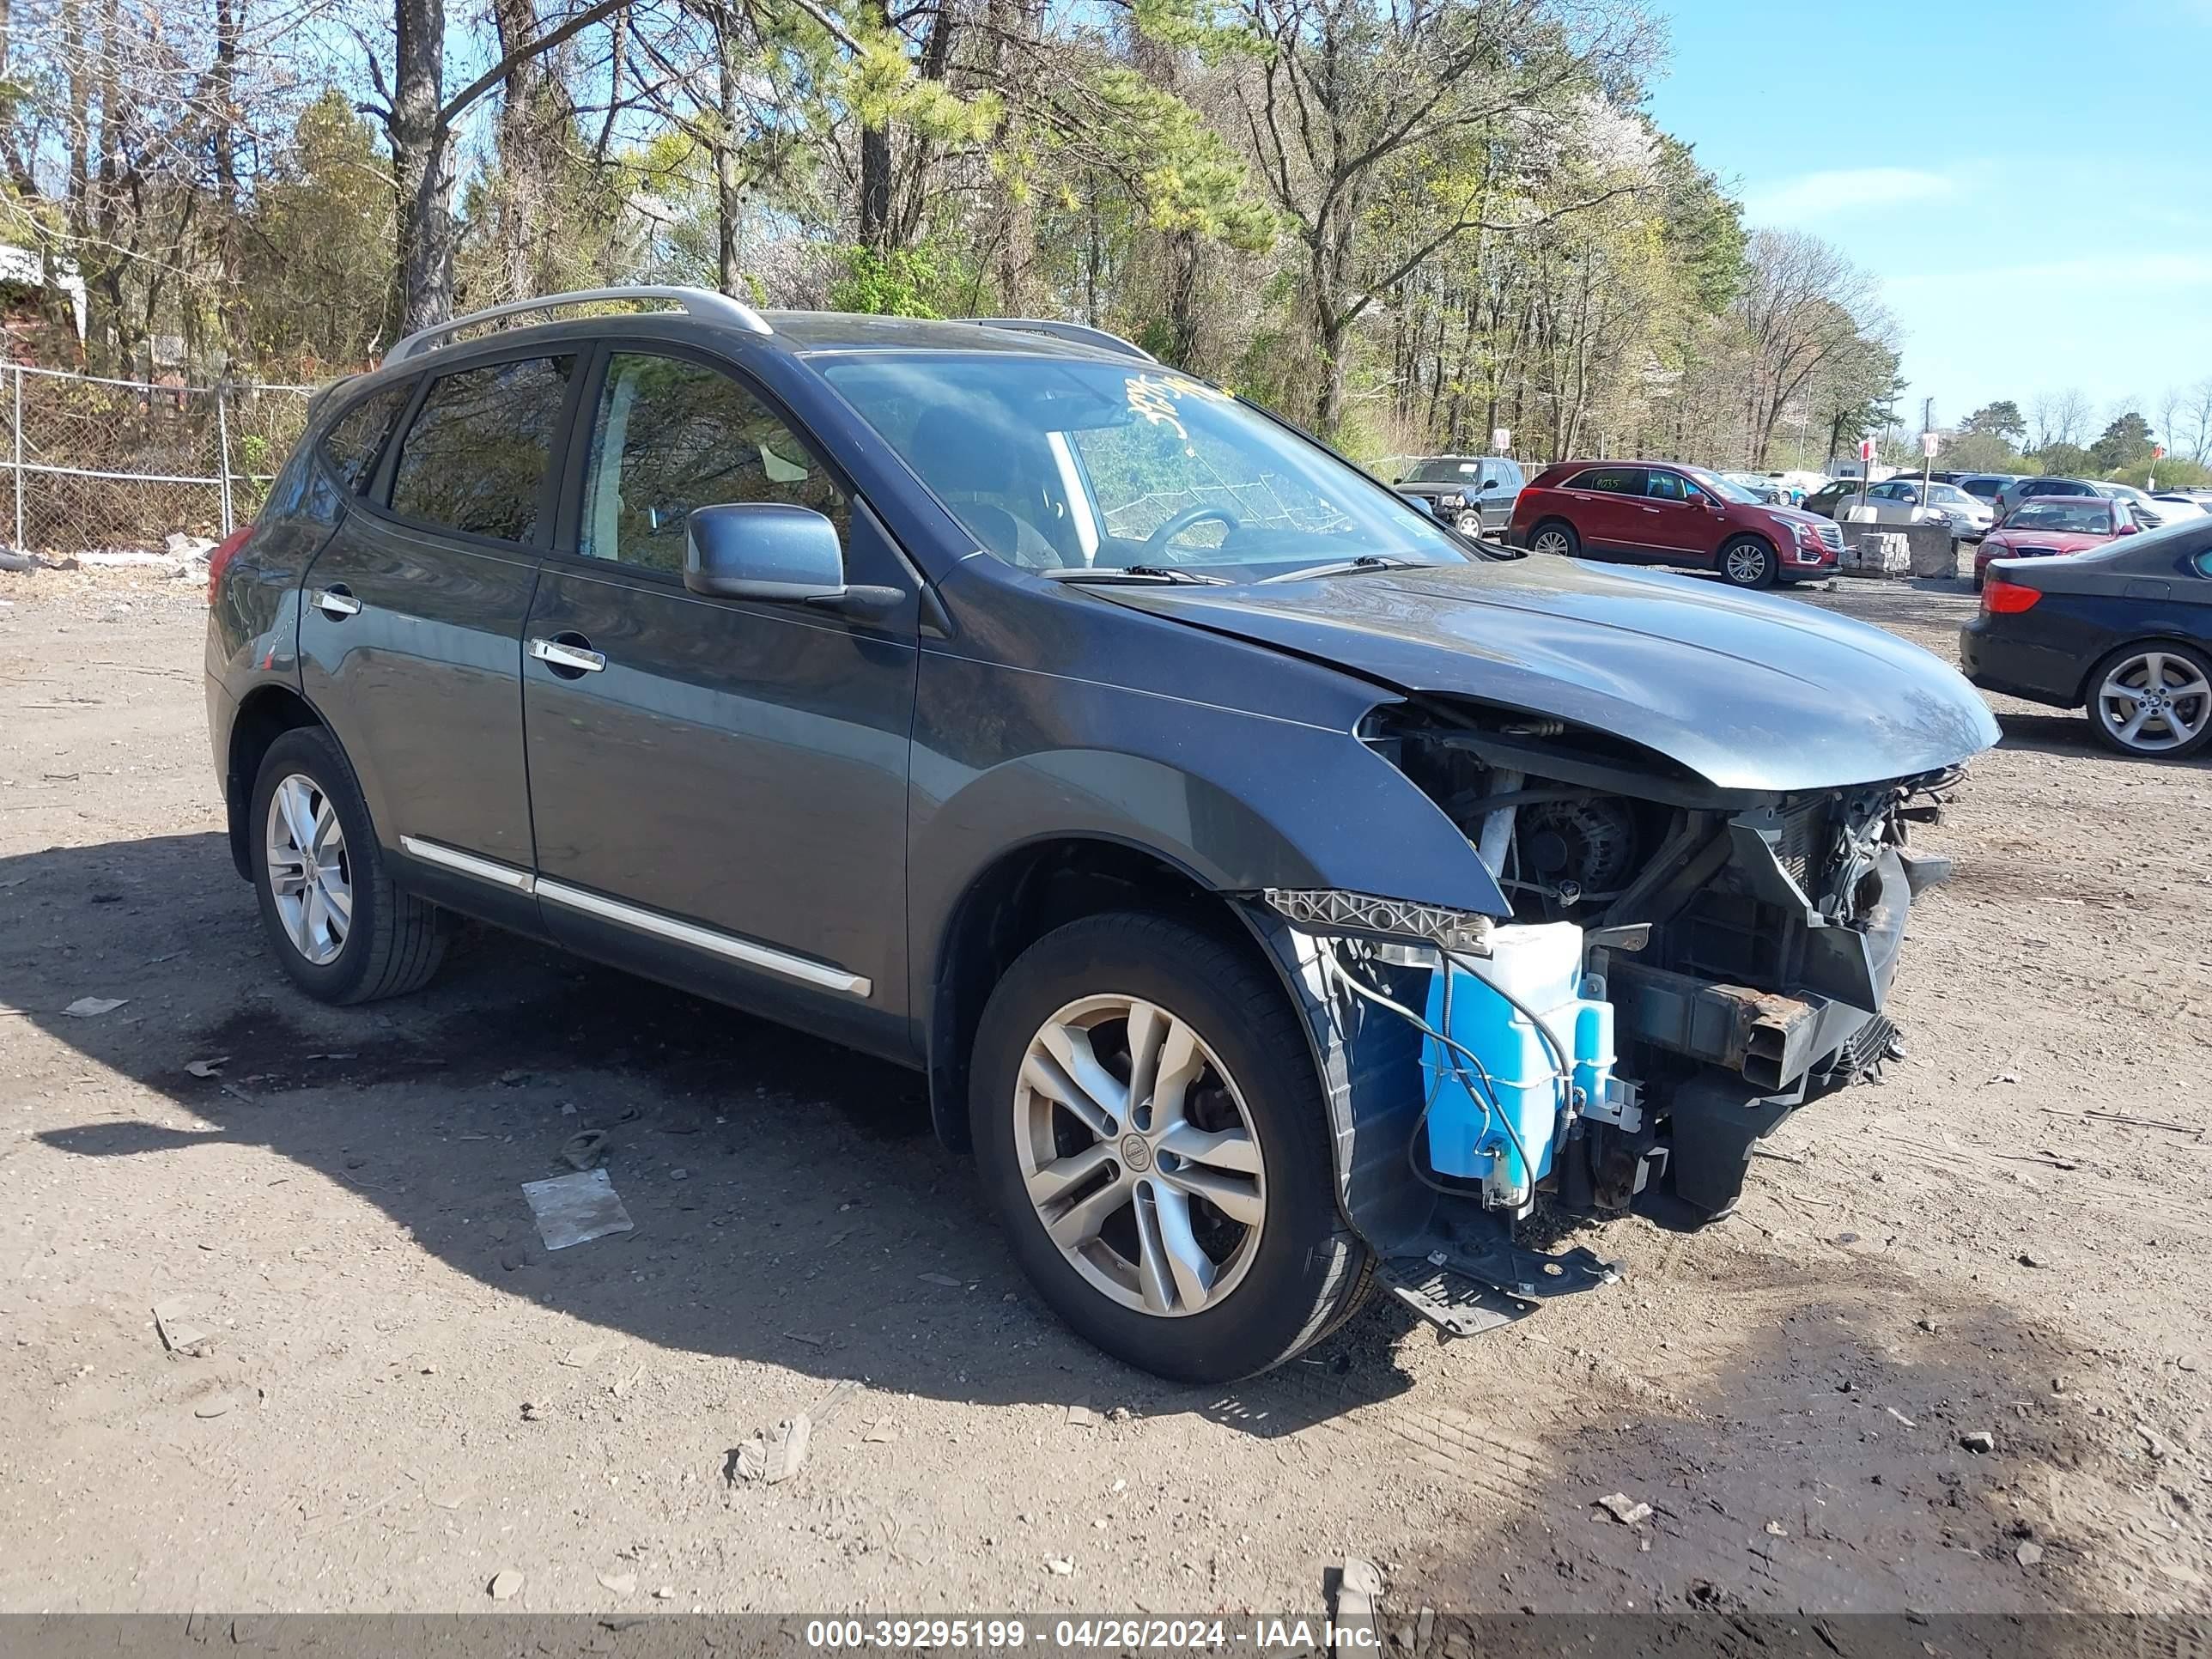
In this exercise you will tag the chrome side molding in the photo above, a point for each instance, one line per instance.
(822, 975)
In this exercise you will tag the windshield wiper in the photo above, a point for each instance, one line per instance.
(1365, 562)
(1141, 572)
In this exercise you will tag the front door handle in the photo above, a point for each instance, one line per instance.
(335, 602)
(568, 655)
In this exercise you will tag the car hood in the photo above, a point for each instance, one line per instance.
(1749, 691)
(2061, 541)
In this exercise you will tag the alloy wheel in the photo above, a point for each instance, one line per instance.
(309, 874)
(1549, 541)
(1139, 1155)
(2155, 701)
(1746, 564)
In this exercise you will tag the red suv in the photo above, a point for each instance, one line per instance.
(1660, 513)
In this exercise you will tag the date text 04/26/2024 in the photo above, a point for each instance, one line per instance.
(1012, 1633)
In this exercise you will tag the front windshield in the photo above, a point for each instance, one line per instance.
(1060, 464)
(1443, 468)
(1715, 484)
(1950, 496)
(2074, 516)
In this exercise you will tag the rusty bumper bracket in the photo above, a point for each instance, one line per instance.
(1768, 1037)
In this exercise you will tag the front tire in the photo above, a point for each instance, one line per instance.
(335, 922)
(2152, 700)
(1749, 562)
(1151, 1132)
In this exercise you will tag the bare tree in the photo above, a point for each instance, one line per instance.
(2060, 417)
(1345, 90)
(1803, 306)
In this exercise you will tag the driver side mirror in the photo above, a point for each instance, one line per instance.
(773, 551)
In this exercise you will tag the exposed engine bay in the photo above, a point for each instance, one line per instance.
(1734, 955)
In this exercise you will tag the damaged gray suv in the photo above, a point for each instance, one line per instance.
(1281, 893)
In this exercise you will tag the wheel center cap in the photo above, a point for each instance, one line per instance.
(1137, 1153)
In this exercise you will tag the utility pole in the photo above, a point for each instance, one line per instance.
(1927, 449)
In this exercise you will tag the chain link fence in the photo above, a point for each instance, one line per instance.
(95, 464)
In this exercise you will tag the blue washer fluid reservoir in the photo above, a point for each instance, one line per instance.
(1542, 965)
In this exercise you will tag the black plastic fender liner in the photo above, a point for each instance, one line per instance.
(1370, 1064)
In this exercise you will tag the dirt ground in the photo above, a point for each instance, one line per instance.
(405, 1394)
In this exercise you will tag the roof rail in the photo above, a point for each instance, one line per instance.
(1080, 334)
(696, 302)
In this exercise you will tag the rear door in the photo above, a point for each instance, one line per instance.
(719, 786)
(1605, 506)
(410, 637)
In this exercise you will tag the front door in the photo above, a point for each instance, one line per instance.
(410, 631)
(719, 786)
(1678, 526)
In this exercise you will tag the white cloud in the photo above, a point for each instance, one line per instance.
(2117, 277)
(1839, 192)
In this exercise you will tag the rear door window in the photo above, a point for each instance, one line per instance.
(353, 441)
(475, 459)
(1611, 480)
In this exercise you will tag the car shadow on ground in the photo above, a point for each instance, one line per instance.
(791, 1203)
(2069, 732)
(1882, 1443)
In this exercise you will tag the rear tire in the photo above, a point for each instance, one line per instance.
(1556, 537)
(1102, 1209)
(1749, 562)
(2178, 725)
(335, 922)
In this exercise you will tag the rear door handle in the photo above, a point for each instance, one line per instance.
(335, 602)
(570, 654)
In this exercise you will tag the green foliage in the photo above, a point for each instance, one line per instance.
(1972, 450)
(2064, 461)
(2124, 443)
(2171, 473)
(916, 282)
(2000, 420)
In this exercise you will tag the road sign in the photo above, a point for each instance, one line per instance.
(1501, 439)
(1865, 449)
(2158, 452)
(1930, 444)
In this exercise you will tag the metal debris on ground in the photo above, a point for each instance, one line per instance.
(181, 1333)
(1624, 1508)
(93, 1007)
(772, 1458)
(206, 1067)
(576, 1209)
(585, 1149)
(504, 1584)
(1900, 1416)
(1358, 1588)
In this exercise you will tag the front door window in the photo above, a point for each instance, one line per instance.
(672, 435)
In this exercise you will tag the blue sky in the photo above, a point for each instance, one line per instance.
(2031, 182)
